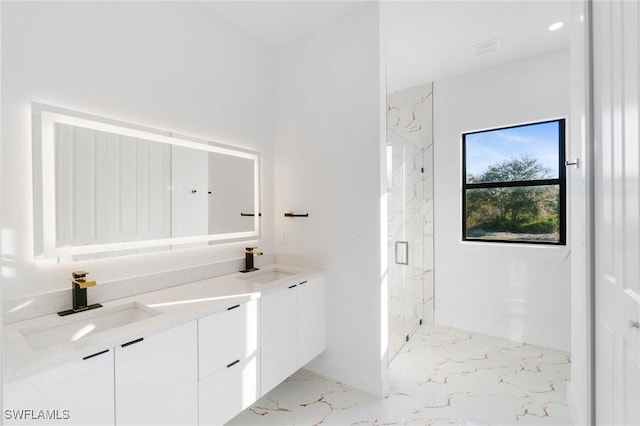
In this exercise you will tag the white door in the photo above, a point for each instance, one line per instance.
(616, 52)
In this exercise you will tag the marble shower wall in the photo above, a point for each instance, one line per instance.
(410, 188)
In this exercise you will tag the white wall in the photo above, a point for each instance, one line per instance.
(513, 291)
(176, 66)
(329, 103)
(170, 65)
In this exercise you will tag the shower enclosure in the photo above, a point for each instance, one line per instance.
(410, 212)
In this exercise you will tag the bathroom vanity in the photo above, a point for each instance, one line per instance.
(198, 353)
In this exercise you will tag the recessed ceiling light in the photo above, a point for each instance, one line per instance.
(556, 26)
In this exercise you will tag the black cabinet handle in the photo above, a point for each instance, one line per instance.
(233, 363)
(233, 307)
(133, 342)
(96, 354)
(292, 286)
(303, 282)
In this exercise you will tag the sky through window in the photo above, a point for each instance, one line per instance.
(538, 141)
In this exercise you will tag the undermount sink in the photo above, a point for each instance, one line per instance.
(86, 324)
(268, 275)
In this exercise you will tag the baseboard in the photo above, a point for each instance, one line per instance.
(577, 410)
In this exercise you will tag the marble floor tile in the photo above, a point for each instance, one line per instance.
(442, 376)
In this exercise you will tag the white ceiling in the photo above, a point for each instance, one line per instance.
(425, 40)
(278, 22)
(430, 41)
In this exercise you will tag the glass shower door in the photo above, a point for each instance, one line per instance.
(410, 212)
(405, 188)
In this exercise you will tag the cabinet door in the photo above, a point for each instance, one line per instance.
(311, 320)
(226, 393)
(278, 337)
(226, 336)
(156, 378)
(77, 393)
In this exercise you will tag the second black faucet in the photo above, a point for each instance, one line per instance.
(249, 252)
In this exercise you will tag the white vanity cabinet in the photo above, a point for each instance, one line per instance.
(293, 330)
(228, 348)
(156, 378)
(278, 337)
(205, 371)
(312, 329)
(152, 380)
(79, 392)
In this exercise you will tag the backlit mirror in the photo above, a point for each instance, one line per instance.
(104, 187)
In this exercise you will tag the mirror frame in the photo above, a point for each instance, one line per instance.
(43, 122)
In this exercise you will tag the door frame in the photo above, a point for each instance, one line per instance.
(581, 225)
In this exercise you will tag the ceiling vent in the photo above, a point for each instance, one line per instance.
(486, 48)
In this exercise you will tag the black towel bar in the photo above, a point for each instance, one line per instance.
(291, 214)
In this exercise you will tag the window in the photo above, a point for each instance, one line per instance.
(514, 184)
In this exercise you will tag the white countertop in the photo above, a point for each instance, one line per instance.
(176, 305)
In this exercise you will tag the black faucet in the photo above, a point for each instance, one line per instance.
(249, 252)
(79, 284)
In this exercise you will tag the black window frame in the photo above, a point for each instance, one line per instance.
(561, 181)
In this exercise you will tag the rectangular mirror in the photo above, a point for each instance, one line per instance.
(103, 186)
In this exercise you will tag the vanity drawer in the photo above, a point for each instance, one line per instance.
(227, 392)
(227, 336)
